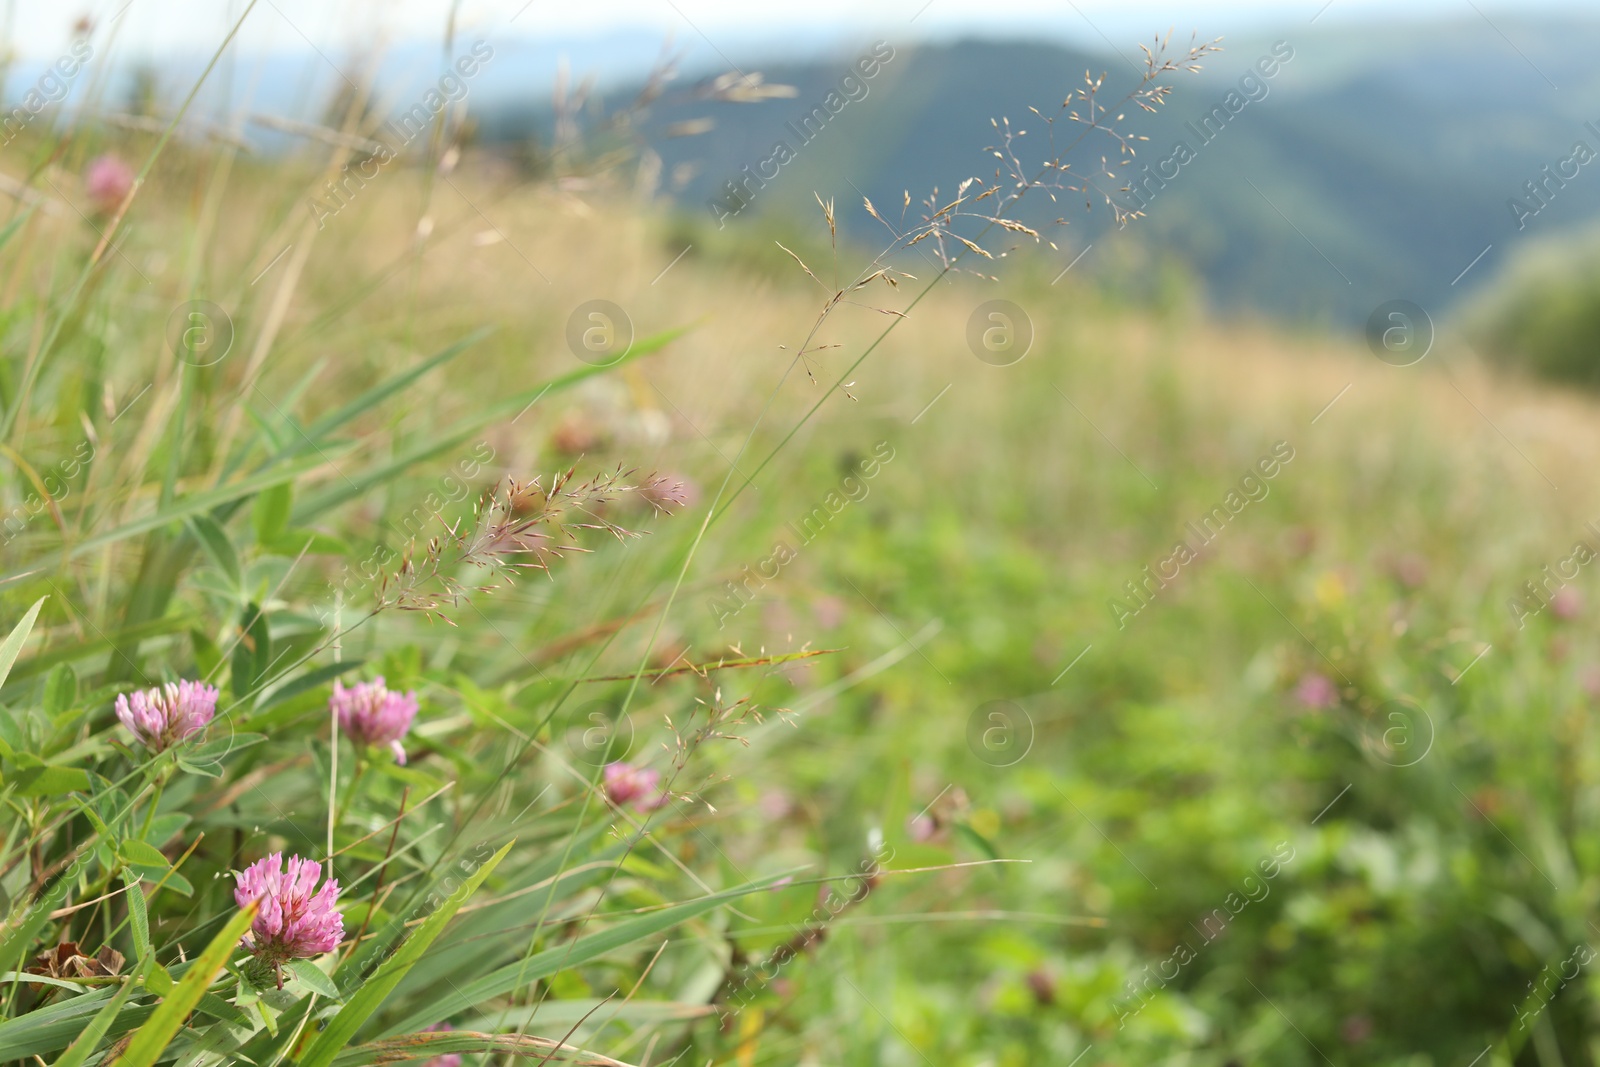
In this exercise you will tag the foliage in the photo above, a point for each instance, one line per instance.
(836, 868)
(1543, 316)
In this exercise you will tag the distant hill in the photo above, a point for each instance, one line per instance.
(1369, 167)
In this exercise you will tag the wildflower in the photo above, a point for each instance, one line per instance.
(1330, 590)
(639, 786)
(1566, 603)
(775, 805)
(167, 714)
(370, 715)
(107, 181)
(449, 1059)
(294, 922)
(1316, 691)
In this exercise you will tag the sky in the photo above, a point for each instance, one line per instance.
(37, 30)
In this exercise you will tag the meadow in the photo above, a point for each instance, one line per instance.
(743, 682)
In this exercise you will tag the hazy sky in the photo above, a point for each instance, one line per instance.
(37, 28)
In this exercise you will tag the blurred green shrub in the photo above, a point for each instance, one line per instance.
(1543, 317)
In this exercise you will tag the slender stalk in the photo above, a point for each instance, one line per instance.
(349, 790)
(155, 802)
(333, 727)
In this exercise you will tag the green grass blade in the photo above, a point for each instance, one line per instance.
(35, 915)
(180, 509)
(57, 1026)
(485, 921)
(10, 229)
(97, 644)
(320, 429)
(359, 484)
(306, 682)
(14, 641)
(216, 544)
(30, 374)
(562, 957)
(164, 1023)
(366, 1000)
(81, 1049)
(423, 1045)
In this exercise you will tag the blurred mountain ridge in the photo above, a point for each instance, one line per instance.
(1373, 164)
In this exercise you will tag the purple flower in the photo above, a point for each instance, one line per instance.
(370, 715)
(167, 714)
(639, 786)
(449, 1059)
(1566, 604)
(294, 922)
(107, 182)
(1317, 691)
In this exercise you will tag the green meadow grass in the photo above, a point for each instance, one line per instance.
(940, 793)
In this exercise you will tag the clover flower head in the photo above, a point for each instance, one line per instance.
(1317, 691)
(639, 786)
(370, 715)
(296, 920)
(107, 182)
(1566, 603)
(161, 717)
